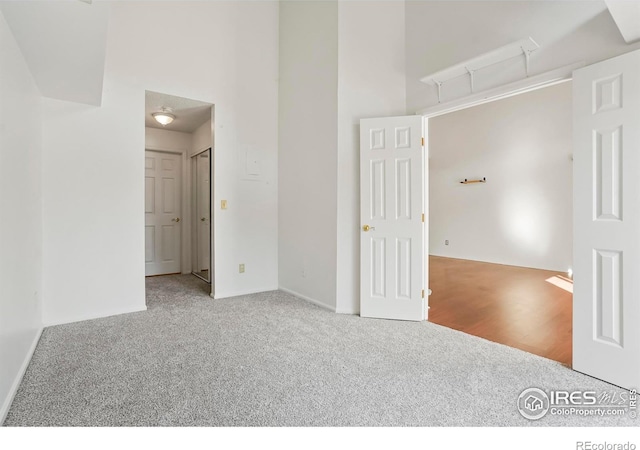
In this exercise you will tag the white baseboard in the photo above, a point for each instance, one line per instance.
(351, 312)
(308, 299)
(16, 382)
(100, 315)
(219, 296)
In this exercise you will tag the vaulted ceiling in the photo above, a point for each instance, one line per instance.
(64, 45)
(64, 42)
(626, 13)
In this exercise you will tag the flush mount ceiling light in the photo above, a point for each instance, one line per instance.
(164, 117)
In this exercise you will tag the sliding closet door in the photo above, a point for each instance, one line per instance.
(201, 215)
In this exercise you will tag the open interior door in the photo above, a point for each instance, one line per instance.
(393, 273)
(606, 305)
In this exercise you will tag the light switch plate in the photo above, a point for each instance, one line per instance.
(223, 204)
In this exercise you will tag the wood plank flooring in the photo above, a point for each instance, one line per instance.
(510, 305)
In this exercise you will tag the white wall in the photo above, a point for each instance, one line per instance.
(174, 141)
(440, 34)
(21, 218)
(522, 216)
(336, 67)
(371, 83)
(93, 206)
(202, 138)
(308, 131)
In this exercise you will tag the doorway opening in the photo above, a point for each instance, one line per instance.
(179, 154)
(500, 221)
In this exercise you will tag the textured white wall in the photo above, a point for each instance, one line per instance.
(522, 216)
(94, 172)
(308, 128)
(21, 218)
(371, 83)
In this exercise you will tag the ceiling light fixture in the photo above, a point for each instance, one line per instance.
(164, 117)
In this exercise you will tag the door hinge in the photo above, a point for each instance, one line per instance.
(422, 217)
(423, 293)
(422, 142)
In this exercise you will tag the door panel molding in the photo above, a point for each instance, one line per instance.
(163, 212)
(392, 244)
(606, 155)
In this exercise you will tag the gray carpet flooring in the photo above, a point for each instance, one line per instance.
(274, 360)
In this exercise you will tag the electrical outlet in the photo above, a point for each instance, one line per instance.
(446, 242)
(241, 268)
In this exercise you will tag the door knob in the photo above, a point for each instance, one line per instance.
(177, 219)
(368, 228)
(203, 219)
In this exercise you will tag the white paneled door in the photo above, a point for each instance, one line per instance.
(392, 245)
(606, 305)
(162, 209)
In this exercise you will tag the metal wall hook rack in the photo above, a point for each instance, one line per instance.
(523, 47)
(484, 180)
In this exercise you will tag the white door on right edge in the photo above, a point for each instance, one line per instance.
(606, 305)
